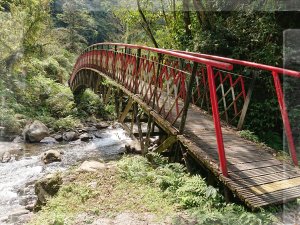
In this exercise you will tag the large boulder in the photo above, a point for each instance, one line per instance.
(35, 131)
(51, 156)
(45, 188)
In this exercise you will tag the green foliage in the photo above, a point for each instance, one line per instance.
(192, 193)
(66, 123)
(82, 193)
(133, 186)
(62, 208)
(79, 25)
(249, 135)
(137, 171)
(51, 96)
(8, 120)
(89, 104)
(31, 63)
(170, 177)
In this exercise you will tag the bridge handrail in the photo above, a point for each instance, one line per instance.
(214, 63)
(244, 63)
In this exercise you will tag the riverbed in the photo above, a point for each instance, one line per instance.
(17, 177)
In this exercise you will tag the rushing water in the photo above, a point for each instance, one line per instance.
(17, 176)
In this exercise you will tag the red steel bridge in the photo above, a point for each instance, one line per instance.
(196, 104)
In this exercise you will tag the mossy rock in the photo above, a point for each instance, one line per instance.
(46, 187)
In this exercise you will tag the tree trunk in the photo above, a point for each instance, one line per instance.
(174, 9)
(186, 18)
(147, 25)
(164, 13)
(201, 14)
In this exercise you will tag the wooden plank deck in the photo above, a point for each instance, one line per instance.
(255, 175)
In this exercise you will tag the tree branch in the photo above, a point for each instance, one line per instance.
(147, 26)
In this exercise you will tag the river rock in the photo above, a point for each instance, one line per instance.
(35, 131)
(90, 129)
(85, 137)
(14, 215)
(51, 156)
(102, 125)
(91, 166)
(132, 149)
(48, 140)
(27, 200)
(58, 137)
(98, 134)
(70, 136)
(45, 188)
(18, 139)
(6, 157)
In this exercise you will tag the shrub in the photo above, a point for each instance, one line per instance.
(249, 135)
(61, 104)
(90, 104)
(8, 120)
(203, 202)
(66, 123)
(44, 94)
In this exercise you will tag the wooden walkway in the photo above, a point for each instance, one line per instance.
(255, 175)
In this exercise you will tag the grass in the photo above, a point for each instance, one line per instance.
(110, 196)
(135, 185)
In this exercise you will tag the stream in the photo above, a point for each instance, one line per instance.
(17, 177)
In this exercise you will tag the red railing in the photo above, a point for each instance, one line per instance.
(169, 80)
(275, 71)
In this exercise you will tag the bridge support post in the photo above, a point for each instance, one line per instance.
(117, 102)
(138, 121)
(149, 128)
(166, 144)
(126, 110)
(188, 98)
(216, 117)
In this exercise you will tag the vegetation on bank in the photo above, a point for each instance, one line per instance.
(39, 42)
(134, 185)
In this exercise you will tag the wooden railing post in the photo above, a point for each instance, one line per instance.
(114, 62)
(188, 98)
(137, 66)
(246, 103)
(216, 118)
(285, 118)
